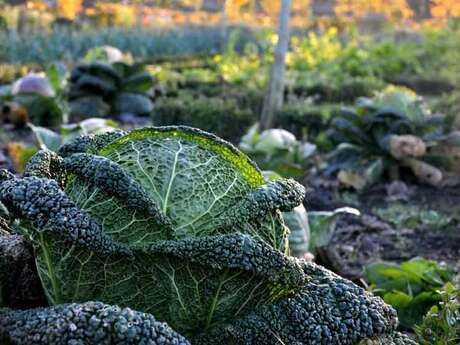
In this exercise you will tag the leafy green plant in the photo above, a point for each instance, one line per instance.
(410, 216)
(309, 231)
(323, 225)
(248, 68)
(37, 98)
(176, 222)
(441, 325)
(305, 119)
(387, 133)
(411, 287)
(98, 323)
(277, 150)
(313, 230)
(97, 89)
(39, 46)
(107, 54)
(50, 140)
(340, 70)
(331, 87)
(297, 222)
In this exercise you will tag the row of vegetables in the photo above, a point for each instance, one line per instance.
(379, 137)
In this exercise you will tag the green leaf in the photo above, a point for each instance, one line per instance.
(374, 171)
(299, 238)
(42, 111)
(97, 85)
(89, 106)
(141, 82)
(85, 127)
(198, 182)
(390, 277)
(322, 225)
(413, 313)
(56, 74)
(398, 299)
(352, 132)
(179, 223)
(46, 138)
(133, 103)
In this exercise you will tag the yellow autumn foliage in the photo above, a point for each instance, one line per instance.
(444, 9)
(390, 9)
(69, 8)
(115, 14)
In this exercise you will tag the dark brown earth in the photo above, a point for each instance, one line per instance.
(21, 287)
(359, 241)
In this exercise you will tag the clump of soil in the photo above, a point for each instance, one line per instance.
(20, 286)
(398, 222)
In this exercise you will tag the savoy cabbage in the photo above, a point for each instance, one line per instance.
(179, 224)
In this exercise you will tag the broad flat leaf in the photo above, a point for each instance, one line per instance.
(90, 106)
(428, 270)
(133, 103)
(88, 82)
(322, 225)
(56, 74)
(411, 309)
(42, 111)
(299, 238)
(398, 299)
(273, 140)
(374, 171)
(250, 138)
(103, 71)
(47, 139)
(125, 69)
(85, 127)
(141, 82)
(195, 180)
(390, 277)
(354, 133)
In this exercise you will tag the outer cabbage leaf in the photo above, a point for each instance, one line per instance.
(178, 223)
(145, 187)
(87, 323)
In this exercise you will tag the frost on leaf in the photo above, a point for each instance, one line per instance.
(178, 223)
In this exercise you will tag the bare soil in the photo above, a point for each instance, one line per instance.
(361, 240)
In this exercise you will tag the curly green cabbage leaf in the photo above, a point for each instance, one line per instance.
(178, 223)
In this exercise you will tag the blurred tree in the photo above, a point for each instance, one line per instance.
(271, 7)
(114, 14)
(68, 8)
(421, 8)
(274, 97)
(233, 8)
(195, 4)
(391, 9)
(444, 9)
